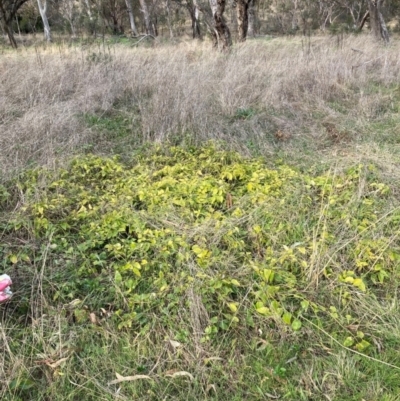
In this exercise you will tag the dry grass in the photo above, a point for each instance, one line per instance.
(261, 94)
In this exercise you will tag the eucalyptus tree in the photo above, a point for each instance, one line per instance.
(222, 34)
(42, 5)
(131, 17)
(8, 12)
(194, 13)
(376, 20)
(242, 16)
(149, 25)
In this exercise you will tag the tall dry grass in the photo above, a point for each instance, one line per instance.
(250, 96)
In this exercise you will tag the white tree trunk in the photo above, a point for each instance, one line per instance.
(43, 14)
(196, 26)
(146, 15)
(131, 17)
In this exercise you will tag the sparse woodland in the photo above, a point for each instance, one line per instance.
(199, 200)
(224, 21)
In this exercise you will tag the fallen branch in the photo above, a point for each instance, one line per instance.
(367, 62)
(144, 37)
(363, 21)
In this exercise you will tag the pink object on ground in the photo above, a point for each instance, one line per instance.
(5, 291)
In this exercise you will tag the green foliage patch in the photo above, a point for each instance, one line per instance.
(244, 243)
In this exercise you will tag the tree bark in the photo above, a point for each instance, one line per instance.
(131, 17)
(251, 30)
(196, 24)
(146, 15)
(204, 8)
(43, 14)
(377, 23)
(242, 15)
(9, 31)
(383, 29)
(222, 35)
(194, 16)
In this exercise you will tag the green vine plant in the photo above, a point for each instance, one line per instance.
(254, 243)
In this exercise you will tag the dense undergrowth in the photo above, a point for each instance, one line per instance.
(227, 276)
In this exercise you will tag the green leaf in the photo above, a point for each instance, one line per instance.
(302, 250)
(348, 342)
(363, 345)
(305, 304)
(296, 324)
(359, 284)
(118, 277)
(268, 275)
(224, 325)
(263, 310)
(287, 317)
(13, 259)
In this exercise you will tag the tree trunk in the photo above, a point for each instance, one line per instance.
(204, 8)
(9, 31)
(196, 27)
(147, 21)
(194, 16)
(131, 17)
(377, 23)
(242, 16)
(251, 30)
(196, 24)
(222, 35)
(43, 14)
(6, 19)
(383, 28)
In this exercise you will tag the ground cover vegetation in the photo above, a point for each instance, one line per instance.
(186, 224)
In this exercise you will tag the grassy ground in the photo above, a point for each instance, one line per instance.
(198, 274)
